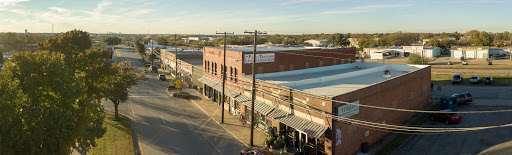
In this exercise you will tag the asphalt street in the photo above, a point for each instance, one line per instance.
(169, 125)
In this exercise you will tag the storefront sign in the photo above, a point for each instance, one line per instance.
(348, 110)
(265, 57)
(338, 136)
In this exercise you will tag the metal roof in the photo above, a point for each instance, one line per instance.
(263, 108)
(301, 124)
(217, 85)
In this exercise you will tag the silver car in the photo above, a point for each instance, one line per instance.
(475, 79)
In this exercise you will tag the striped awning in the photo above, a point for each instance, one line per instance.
(309, 127)
(263, 108)
(217, 85)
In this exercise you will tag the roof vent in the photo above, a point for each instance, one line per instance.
(387, 73)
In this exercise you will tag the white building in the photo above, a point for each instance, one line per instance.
(401, 51)
(317, 42)
(470, 52)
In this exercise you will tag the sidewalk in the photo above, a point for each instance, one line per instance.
(231, 123)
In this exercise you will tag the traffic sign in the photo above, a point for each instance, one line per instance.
(178, 86)
(177, 82)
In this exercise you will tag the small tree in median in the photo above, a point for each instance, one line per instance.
(121, 81)
(417, 59)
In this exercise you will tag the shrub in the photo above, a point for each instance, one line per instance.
(416, 59)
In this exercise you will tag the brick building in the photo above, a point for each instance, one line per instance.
(311, 79)
(189, 65)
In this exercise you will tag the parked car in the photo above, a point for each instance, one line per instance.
(457, 78)
(475, 79)
(450, 63)
(256, 150)
(463, 98)
(464, 63)
(489, 63)
(161, 77)
(447, 118)
(488, 80)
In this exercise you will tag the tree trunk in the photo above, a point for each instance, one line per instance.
(116, 103)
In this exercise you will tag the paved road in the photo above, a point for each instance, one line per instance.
(169, 125)
(478, 92)
(463, 143)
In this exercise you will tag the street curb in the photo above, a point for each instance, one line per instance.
(136, 148)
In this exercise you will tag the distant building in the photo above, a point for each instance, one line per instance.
(426, 41)
(189, 65)
(317, 42)
(354, 42)
(470, 52)
(401, 51)
(199, 38)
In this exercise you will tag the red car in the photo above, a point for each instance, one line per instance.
(447, 118)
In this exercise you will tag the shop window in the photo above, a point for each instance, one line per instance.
(231, 73)
(236, 75)
(215, 68)
(205, 65)
(221, 70)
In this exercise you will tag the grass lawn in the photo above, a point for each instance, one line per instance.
(117, 139)
(445, 79)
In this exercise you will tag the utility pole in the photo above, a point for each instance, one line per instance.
(223, 73)
(253, 96)
(176, 56)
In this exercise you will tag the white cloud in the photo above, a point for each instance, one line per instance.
(7, 3)
(291, 2)
(366, 8)
(102, 5)
(60, 10)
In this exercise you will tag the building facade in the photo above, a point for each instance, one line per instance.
(470, 52)
(189, 66)
(299, 90)
(401, 51)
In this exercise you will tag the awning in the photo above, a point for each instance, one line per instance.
(217, 85)
(185, 72)
(309, 127)
(263, 108)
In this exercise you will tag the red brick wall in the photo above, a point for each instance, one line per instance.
(294, 60)
(404, 92)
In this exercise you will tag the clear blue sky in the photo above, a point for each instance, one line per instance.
(273, 16)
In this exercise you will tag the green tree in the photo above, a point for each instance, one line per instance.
(45, 107)
(112, 41)
(151, 57)
(417, 59)
(10, 41)
(338, 39)
(122, 78)
(70, 43)
(139, 48)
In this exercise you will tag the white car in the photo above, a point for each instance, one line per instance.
(475, 79)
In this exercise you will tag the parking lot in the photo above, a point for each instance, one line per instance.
(471, 142)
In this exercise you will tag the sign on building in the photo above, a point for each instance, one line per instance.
(265, 57)
(348, 110)
(413, 47)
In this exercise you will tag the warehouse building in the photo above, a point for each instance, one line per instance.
(470, 52)
(293, 84)
(401, 51)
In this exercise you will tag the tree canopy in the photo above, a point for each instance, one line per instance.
(50, 99)
(112, 41)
